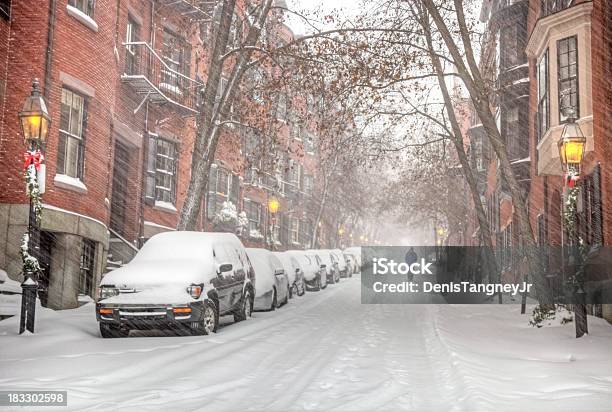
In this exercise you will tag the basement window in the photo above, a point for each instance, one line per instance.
(5, 9)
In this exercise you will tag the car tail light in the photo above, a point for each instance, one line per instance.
(195, 291)
(181, 310)
(105, 311)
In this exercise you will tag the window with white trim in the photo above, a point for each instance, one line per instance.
(71, 151)
(567, 76)
(253, 212)
(294, 230)
(543, 119)
(308, 185)
(165, 171)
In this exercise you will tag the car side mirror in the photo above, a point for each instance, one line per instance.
(225, 267)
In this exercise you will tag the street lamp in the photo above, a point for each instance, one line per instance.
(571, 144)
(35, 121)
(34, 118)
(273, 206)
(571, 153)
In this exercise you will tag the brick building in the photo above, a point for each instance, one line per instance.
(533, 51)
(120, 80)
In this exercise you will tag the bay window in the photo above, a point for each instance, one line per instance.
(543, 98)
(567, 77)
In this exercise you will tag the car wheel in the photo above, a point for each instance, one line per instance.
(246, 307)
(111, 331)
(209, 322)
(274, 300)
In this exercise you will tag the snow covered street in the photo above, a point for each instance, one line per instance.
(323, 351)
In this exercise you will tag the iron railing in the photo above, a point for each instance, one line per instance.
(150, 74)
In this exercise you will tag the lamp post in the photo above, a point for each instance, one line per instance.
(273, 206)
(35, 121)
(571, 153)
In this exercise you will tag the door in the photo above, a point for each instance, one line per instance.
(223, 281)
(119, 195)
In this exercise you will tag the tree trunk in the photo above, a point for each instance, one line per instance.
(457, 139)
(477, 89)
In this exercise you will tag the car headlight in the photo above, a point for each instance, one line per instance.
(107, 292)
(195, 291)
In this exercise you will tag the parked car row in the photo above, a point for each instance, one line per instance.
(187, 280)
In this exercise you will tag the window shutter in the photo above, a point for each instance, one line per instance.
(150, 177)
(284, 229)
(597, 207)
(235, 191)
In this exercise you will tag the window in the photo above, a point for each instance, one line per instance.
(553, 6)
(131, 36)
(543, 100)
(177, 56)
(165, 171)
(258, 81)
(235, 33)
(567, 60)
(512, 132)
(294, 230)
(305, 234)
(72, 130)
(308, 184)
(86, 6)
(87, 268)
(253, 212)
(5, 9)
(281, 107)
(478, 159)
(308, 143)
(293, 174)
(509, 45)
(222, 186)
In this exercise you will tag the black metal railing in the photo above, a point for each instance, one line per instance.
(151, 74)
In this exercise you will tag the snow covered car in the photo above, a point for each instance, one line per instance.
(271, 281)
(182, 280)
(350, 263)
(355, 251)
(342, 264)
(331, 264)
(314, 273)
(294, 273)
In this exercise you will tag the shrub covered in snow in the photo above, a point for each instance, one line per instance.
(228, 215)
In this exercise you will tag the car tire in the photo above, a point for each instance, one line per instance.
(209, 322)
(111, 331)
(246, 307)
(274, 300)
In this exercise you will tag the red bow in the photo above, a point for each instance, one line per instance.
(571, 180)
(35, 158)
